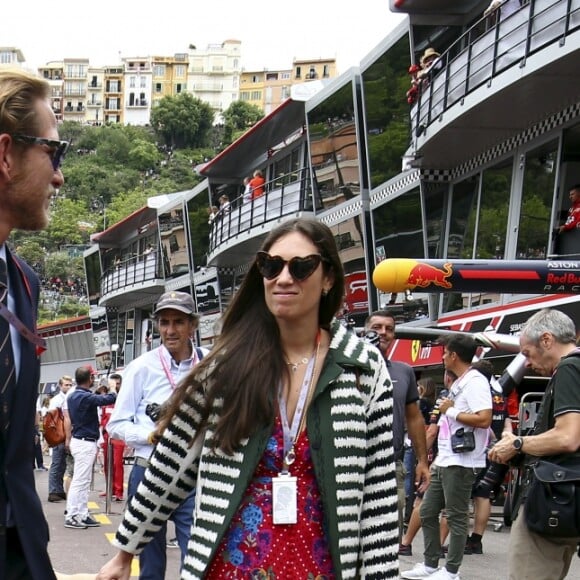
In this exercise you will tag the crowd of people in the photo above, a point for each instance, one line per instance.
(280, 451)
(430, 62)
(254, 187)
(268, 431)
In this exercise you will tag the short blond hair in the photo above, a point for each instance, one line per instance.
(20, 91)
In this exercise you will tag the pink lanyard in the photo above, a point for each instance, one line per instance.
(167, 369)
(38, 341)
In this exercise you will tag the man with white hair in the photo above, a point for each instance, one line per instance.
(548, 341)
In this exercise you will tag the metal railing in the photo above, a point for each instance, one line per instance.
(284, 195)
(488, 48)
(131, 270)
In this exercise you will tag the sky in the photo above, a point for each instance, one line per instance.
(272, 33)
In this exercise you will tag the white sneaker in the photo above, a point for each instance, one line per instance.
(419, 571)
(443, 574)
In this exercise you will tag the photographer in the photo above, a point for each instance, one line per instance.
(548, 341)
(490, 478)
(465, 416)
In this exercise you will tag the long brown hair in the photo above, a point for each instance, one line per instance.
(429, 389)
(246, 364)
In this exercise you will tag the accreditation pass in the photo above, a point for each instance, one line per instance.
(284, 499)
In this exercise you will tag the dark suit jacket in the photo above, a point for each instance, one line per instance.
(16, 448)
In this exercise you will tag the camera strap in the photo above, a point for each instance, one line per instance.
(454, 394)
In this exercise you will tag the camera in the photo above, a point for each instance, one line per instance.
(492, 478)
(462, 441)
(436, 411)
(153, 411)
(372, 337)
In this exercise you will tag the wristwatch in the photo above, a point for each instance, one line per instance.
(518, 442)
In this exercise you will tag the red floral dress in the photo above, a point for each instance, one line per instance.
(254, 548)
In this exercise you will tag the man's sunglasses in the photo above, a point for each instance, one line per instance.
(299, 268)
(57, 150)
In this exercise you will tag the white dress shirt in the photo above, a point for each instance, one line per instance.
(144, 382)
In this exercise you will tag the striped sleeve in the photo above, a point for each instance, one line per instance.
(168, 480)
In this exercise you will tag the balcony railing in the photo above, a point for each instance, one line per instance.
(477, 57)
(131, 270)
(283, 196)
(137, 103)
(208, 87)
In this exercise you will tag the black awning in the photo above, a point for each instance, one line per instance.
(254, 144)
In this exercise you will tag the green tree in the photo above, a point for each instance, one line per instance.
(182, 121)
(125, 204)
(72, 132)
(62, 265)
(33, 252)
(144, 155)
(69, 223)
(239, 117)
(90, 176)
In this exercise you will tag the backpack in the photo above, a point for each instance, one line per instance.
(53, 427)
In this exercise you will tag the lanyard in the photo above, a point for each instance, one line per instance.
(454, 394)
(167, 370)
(291, 432)
(12, 319)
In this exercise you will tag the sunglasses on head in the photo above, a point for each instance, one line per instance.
(299, 268)
(57, 149)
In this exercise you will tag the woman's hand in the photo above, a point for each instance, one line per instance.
(117, 568)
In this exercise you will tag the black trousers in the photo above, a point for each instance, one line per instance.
(16, 567)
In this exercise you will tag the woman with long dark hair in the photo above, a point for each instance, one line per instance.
(284, 429)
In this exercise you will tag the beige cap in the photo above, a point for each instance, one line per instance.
(429, 52)
(181, 301)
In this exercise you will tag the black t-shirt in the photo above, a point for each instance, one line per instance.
(498, 412)
(425, 407)
(566, 396)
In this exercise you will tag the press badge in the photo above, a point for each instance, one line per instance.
(284, 499)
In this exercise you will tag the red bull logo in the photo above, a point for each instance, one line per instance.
(423, 275)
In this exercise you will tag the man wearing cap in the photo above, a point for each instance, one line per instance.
(148, 382)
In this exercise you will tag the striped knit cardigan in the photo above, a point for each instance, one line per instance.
(349, 424)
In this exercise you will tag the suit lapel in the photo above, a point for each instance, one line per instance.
(25, 312)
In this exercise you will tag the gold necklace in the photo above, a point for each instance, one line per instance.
(294, 366)
(304, 360)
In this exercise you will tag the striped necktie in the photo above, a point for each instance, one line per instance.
(7, 369)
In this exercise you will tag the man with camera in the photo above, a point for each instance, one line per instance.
(148, 382)
(465, 416)
(489, 479)
(548, 341)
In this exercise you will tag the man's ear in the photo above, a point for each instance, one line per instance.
(6, 156)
